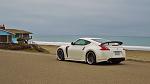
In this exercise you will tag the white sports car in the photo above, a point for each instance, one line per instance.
(92, 51)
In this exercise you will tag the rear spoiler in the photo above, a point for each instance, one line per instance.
(119, 42)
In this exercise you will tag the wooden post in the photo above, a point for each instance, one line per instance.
(7, 38)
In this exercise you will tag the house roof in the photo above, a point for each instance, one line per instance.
(5, 31)
(14, 31)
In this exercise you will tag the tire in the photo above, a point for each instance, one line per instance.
(60, 55)
(91, 58)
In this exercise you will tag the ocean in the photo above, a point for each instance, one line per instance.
(127, 40)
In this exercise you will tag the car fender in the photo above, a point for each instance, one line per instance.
(88, 49)
(64, 49)
(92, 48)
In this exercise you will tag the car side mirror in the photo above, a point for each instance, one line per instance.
(72, 43)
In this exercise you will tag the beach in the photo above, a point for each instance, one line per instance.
(132, 55)
(21, 67)
(137, 55)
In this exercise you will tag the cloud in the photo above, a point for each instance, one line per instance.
(114, 17)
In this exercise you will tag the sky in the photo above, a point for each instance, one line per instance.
(78, 17)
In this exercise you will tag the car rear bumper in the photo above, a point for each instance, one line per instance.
(109, 56)
(116, 59)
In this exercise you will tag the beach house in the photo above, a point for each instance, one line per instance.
(10, 35)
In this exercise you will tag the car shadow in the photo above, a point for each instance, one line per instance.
(108, 64)
(75, 61)
(97, 64)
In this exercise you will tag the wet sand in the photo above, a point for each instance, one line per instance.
(18, 67)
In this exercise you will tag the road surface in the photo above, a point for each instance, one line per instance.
(37, 68)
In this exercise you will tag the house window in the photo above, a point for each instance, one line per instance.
(17, 35)
(5, 38)
(26, 35)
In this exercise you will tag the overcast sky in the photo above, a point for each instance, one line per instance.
(108, 17)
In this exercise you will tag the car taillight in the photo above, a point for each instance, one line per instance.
(103, 47)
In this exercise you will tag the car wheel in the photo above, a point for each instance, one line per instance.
(60, 55)
(91, 58)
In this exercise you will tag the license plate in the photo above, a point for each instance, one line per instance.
(117, 52)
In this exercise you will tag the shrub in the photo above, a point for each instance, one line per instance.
(12, 46)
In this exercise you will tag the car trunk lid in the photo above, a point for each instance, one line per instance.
(114, 47)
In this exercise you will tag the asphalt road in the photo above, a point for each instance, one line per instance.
(36, 68)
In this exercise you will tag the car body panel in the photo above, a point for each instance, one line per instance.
(78, 52)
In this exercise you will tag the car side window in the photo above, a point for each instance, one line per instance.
(81, 42)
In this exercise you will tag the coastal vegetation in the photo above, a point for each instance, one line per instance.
(23, 47)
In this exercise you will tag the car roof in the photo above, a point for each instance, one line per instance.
(89, 39)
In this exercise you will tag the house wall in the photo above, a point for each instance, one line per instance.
(4, 34)
(14, 40)
(19, 35)
(5, 38)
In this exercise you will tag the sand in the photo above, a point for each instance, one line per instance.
(141, 56)
(19, 67)
(50, 48)
(132, 55)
